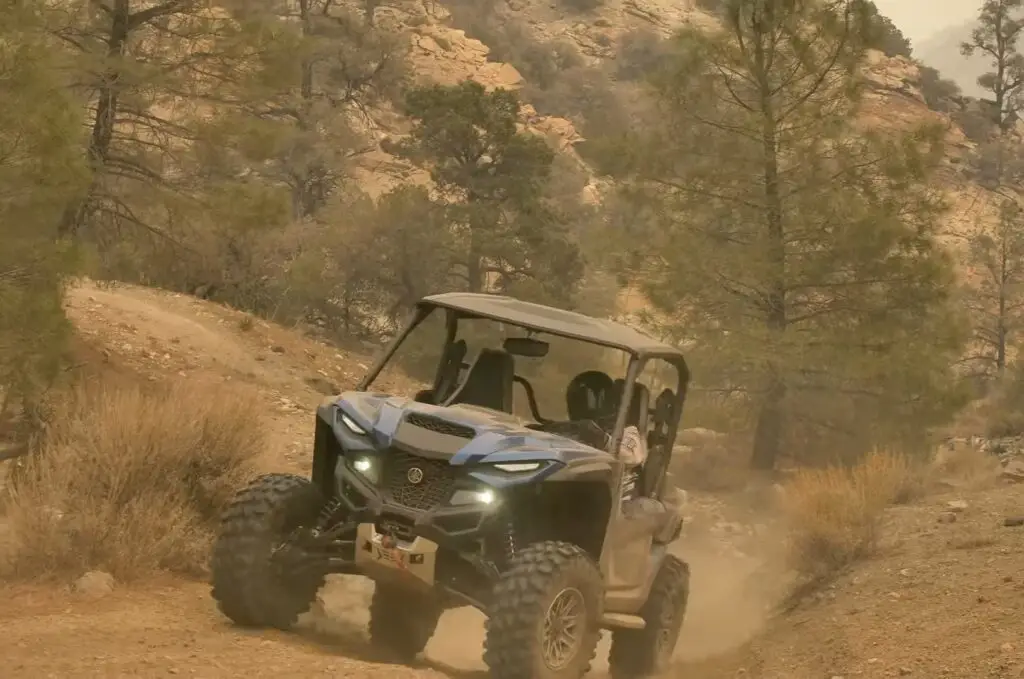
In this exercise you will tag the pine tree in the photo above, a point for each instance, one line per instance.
(792, 250)
(41, 169)
(1000, 23)
(493, 179)
(995, 256)
(317, 68)
(995, 291)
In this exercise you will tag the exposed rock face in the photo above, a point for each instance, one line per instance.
(442, 54)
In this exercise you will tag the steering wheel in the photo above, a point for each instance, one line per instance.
(590, 396)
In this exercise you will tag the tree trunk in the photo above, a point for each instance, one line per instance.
(1001, 330)
(474, 258)
(474, 273)
(769, 431)
(309, 192)
(771, 418)
(77, 212)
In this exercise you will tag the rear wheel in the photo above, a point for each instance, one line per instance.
(249, 584)
(640, 653)
(545, 619)
(402, 621)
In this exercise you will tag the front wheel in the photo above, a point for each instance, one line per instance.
(249, 585)
(545, 619)
(641, 653)
(401, 621)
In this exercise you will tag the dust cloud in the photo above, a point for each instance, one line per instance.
(734, 589)
(737, 579)
(732, 597)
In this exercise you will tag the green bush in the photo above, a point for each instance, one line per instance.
(641, 52)
(939, 93)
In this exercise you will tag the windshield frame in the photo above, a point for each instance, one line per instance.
(637, 361)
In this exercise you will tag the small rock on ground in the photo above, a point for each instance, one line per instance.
(94, 584)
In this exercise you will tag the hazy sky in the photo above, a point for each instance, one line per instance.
(918, 19)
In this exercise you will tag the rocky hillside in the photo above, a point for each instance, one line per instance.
(442, 51)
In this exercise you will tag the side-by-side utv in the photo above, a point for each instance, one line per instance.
(466, 493)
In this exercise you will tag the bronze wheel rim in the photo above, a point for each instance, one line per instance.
(564, 628)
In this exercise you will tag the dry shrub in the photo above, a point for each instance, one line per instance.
(835, 513)
(131, 480)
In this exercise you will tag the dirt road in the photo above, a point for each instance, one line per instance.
(172, 628)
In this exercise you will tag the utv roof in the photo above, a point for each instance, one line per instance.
(554, 321)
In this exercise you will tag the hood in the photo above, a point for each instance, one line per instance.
(464, 434)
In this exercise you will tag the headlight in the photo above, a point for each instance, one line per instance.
(366, 468)
(485, 496)
(517, 467)
(351, 424)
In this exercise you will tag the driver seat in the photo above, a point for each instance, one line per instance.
(489, 382)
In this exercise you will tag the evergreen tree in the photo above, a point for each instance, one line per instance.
(1000, 23)
(995, 288)
(492, 180)
(41, 169)
(792, 250)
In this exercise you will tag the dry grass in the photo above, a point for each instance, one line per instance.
(835, 514)
(131, 480)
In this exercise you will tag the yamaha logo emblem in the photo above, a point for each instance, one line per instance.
(414, 475)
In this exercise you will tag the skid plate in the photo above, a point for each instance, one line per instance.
(382, 556)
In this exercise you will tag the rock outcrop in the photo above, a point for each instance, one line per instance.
(440, 53)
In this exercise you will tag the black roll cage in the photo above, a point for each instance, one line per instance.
(638, 359)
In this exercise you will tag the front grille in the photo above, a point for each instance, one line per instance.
(440, 426)
(432, 486)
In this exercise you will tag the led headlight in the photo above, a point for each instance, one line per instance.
(367, 468)
(351, 424)
(517, 467)
(484, 496)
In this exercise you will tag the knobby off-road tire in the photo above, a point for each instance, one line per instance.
(541, 580)
(248, 586)
(640, 653)
(402, 621)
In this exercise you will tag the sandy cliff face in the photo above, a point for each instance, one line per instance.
(895, 101)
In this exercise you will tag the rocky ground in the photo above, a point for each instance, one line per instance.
(940, 599)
